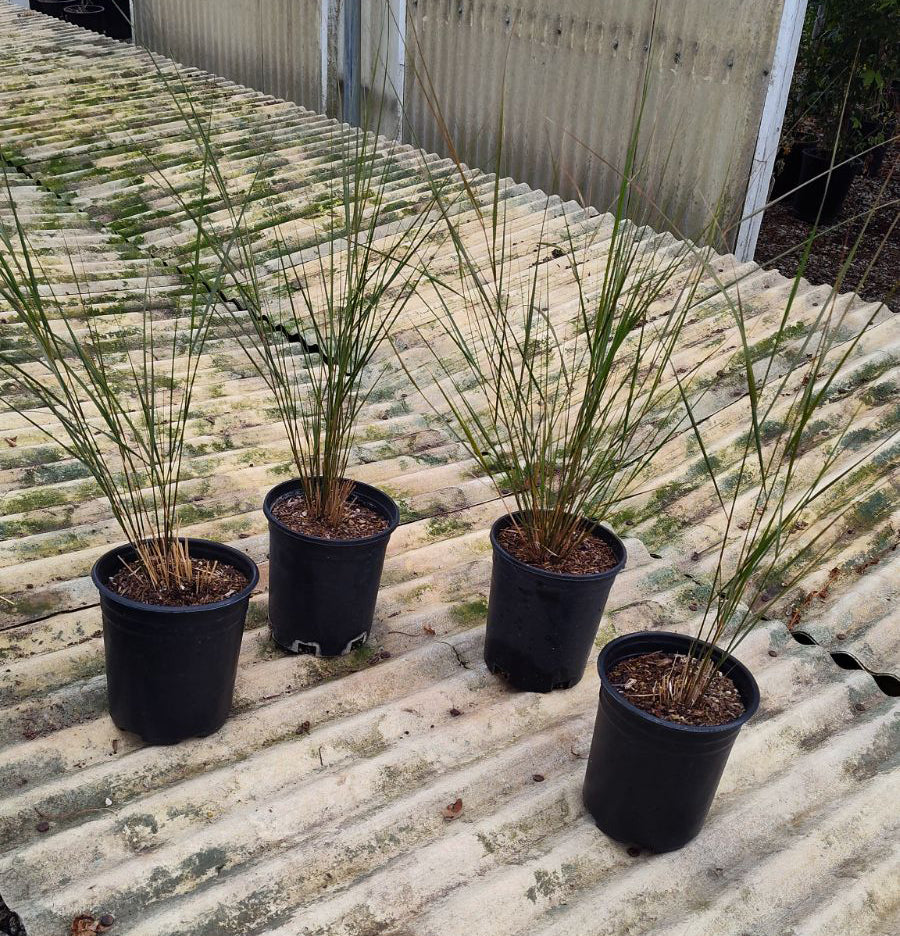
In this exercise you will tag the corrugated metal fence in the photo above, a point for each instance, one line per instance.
(572, 71)
(271, 45)
(573, 75)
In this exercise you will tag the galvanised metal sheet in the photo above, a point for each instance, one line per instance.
(564, 80)
(319, 807)
(272, 45)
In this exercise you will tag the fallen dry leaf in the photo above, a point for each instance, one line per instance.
(12, 441)
(83, 925)
(428, 630)
(453, 810)
(86, 925)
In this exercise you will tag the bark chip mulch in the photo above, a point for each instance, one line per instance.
(638, 679)
(357, 522)
(213, 581)
(592, 555)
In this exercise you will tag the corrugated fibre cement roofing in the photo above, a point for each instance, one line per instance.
(319, 808)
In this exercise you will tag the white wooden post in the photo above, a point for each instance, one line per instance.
(324, 29)
(792, 16)
(398, 19)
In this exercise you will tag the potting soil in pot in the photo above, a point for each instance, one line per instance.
(357, 522)
(213, 581)
(638, 678)
(592, 555)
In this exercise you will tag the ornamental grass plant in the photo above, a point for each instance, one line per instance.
(118, 405)
(315, 338)
(782, 516)
(554, 369)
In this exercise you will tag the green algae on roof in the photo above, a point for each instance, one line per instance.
(468, 613)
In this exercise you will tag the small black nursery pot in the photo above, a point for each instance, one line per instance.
(541, 625)
(170, 671)
(88, 16)
(50, 7)
(650, 782)
(822, 195)
(107, 17)
(322, 592)
(788, 178)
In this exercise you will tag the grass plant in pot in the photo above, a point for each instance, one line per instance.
(118, 400)
(315, 342)
(549, 369)
(672, 705)
(328, 533)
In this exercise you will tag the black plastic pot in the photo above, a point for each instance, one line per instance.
(871, 131)
(108, 17)
(83, 14)
(650, 782)
(322, 592)
(828, 191)
(170, 671)
(50, 7)
(541, 625)
(788, 176)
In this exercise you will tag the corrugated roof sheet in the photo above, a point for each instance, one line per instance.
(318, 808)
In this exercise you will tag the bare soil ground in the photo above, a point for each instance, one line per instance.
(782, 230)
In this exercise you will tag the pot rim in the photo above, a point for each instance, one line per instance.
(817, 152)
(750, 706)
(369, 492)
(605, 532)
(107, 593)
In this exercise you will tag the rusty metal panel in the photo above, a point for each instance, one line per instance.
(319, 806)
